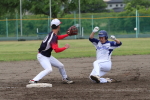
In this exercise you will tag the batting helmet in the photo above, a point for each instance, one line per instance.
(103, 33)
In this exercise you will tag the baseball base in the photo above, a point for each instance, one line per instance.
(38, 85)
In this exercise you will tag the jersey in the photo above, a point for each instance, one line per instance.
(104, 50)
(50, 43)
(46, 45)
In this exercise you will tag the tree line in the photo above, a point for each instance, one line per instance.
(60, 7)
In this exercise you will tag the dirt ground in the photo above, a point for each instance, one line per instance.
(133, 71)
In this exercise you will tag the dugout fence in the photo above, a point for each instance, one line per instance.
(35, 27)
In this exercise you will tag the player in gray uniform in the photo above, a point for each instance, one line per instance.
(104, 49)
(44, 54)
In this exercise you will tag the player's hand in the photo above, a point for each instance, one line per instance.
(67, 46)
(112, 37)
(95, 29)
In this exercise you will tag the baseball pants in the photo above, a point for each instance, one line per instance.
(100, 68)
(47, 63)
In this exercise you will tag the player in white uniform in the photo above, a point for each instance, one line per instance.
(104, 49)
(44, 54)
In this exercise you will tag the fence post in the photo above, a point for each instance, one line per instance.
(79, 18)
(6, 27)
(50, 14)
(75, 22)
(21, 17)
(92, 22)
(48, 25)
(82, 32)
(17, 25)
(137, 23)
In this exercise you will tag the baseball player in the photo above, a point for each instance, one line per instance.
(45, 58)
(104, 49)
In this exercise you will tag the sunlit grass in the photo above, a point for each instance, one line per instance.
(27, 50)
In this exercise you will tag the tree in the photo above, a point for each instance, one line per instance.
(42, 6)
(93, 6)
(65, 6)
(8, 6)
(137, 4)
(60, 7)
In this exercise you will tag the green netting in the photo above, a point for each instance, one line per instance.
(37, 27)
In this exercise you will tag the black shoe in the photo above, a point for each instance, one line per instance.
(95, 78)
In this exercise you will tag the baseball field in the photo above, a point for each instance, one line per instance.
(130, 64)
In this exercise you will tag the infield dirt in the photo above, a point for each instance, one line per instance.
(133, 71)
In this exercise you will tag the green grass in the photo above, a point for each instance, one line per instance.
(27, 50)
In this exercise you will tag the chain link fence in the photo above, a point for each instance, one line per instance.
(37, 27)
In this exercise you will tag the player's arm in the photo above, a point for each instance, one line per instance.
(62, 36)
(93, 32)
(91, 38)
(92, 35)
(118, 42)
(57, 49)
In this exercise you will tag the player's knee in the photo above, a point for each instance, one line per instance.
(94, 63)
(61, 66)
(49, 70)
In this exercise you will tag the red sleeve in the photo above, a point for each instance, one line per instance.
(62, 36)
(56, 49)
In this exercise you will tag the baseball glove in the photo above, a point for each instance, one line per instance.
(72, 31)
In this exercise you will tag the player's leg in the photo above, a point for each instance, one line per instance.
(56, 63)
(96, 68)
(44, 61)
(105, 67)
(99, 69)
(94, 76)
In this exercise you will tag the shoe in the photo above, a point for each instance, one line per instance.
(95, 78)
(32, 81)
(109, 80)
(67, 81)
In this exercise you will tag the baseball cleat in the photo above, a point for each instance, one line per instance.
(95, 78)
(67, 81)
(32, 81)
(109, 80)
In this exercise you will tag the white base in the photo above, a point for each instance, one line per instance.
(38, 85)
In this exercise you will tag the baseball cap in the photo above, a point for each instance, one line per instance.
(55, 22)
(102, 33)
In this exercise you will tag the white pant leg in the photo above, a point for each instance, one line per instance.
(104, 67)
(45, 63)
(56, 63)
(101, 68)
(96, 68)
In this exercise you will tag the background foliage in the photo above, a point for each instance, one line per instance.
(58, 7)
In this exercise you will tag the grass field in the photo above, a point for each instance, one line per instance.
(27, 50)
